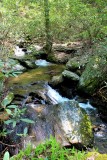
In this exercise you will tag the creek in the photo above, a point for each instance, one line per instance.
(32, 89)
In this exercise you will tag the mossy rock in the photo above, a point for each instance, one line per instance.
(56, 80)
(96, 156)
(94, 74)
(70, 75)
(75, 123)
(78, 62)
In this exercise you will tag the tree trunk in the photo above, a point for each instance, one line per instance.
(48, 47)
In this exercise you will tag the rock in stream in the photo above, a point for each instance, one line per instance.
(66, 121)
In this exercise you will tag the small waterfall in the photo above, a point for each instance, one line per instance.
(41, 62)
(54, 96)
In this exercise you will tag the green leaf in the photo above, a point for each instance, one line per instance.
(8, 121)
(14, 75)
(12, 106)
(1, 76)
(6, 156)
(14, 124)
(27, 120)
(7, 100)
(9, 111)
(1, 64)
(17, 72)
(25, 130)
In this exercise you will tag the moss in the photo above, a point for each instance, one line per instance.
(57, 80)
(94, 74)
(96, 156)
(70, 75)
(87, 134)
(52, 58)
(77, 62)
(1, 76)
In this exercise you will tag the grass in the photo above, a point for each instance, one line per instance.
(50, 150)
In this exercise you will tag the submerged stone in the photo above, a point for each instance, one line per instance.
(38, 74)
(34, 80)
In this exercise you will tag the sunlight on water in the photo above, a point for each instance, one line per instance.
(54, 96)
(42, 62)
(86, 105)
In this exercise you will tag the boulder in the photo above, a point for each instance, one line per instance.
(94, 74)
(78, 62)
(63, 52)
(27, 62)
(59, 57)
(56, 80)
(66, 121)
(70, 75)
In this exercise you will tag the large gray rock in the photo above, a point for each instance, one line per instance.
(65, 121)
(70, 75)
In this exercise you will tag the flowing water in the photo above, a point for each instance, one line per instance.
(42, 62)
(55, 96)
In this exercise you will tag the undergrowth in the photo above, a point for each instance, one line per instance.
(50, 150)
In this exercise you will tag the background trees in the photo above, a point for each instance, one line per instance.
(48, 46)
(69, 20)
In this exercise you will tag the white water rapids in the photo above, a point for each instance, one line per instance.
(56, 98)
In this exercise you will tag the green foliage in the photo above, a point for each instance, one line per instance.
(15, 115)
(7, 100)
(69, 19)
(4, 132)
(24, 133)
(6, 68)
(6, 156)
(50, 150)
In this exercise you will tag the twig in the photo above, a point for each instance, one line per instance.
(9, 145)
